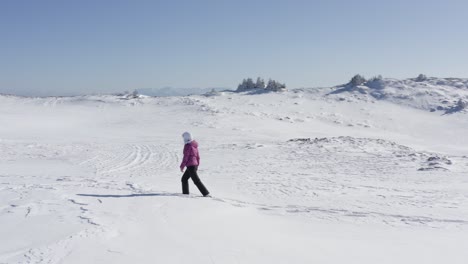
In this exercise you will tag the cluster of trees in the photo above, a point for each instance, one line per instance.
(357, 80)
(360, 80)
(249, 84)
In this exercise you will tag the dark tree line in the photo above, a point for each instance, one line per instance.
(249, 84)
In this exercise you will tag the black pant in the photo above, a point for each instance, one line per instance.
(191, 172)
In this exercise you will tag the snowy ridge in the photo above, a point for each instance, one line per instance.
(430, 93)
(435, 94)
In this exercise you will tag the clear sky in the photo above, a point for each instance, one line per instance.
(96, 46)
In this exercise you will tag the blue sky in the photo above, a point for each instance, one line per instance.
(74, 47)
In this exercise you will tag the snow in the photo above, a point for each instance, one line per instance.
(300, 176)
(169, 91)
(430, 94)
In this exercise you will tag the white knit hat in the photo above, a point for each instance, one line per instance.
(187, 137)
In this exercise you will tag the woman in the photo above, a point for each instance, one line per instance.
(191, 160)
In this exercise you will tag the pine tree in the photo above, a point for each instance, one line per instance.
(242, 86)
(260, 84)
(421, 78)
(249, 84)
(271, 84)
(357, 80)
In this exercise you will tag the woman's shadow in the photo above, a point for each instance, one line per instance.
(128, 195)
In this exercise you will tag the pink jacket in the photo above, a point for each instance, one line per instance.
(191, 155)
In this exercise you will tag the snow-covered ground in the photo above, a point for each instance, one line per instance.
(304, 176)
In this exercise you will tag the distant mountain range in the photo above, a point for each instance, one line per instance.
(170, 91)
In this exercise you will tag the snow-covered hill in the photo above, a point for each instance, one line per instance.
(302, 176)
(434, 94)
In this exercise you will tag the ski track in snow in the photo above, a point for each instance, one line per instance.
(132, 159)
